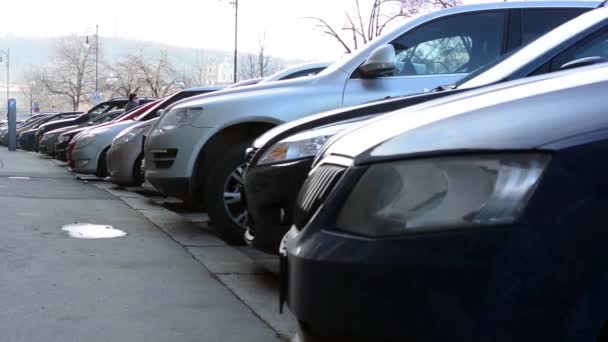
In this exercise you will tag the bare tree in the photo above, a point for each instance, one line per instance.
(197, 74)
(361, 28)
(159, 78)
(32, 85)
(260, 65)
(123, 77)
(72, 73)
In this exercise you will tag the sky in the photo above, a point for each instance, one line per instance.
(187, 23)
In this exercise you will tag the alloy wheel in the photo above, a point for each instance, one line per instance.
(232, 197)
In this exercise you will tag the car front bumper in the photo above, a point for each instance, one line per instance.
(121, 160)
(85, 159)
(47, 146)
(519, 283)
(61, 149)
(271, 192)
(169, 159)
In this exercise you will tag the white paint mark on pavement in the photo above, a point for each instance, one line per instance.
(92, 231)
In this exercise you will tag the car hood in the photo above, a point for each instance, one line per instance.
(334, 116)
(525, 114)
(234, 92)
(111, 129)
(62, 130)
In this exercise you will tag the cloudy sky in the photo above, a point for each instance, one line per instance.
(188, 23)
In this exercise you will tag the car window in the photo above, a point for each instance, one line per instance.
(99, 108)
(456, 44)
(536, 22)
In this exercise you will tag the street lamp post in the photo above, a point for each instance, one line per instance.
(236, 30)
(96, 58)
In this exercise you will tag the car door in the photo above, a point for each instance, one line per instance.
(436, 53)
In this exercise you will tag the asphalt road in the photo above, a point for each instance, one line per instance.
(141, 287)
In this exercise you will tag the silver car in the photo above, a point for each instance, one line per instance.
(124, 158)
(91, 147)
(196, 151)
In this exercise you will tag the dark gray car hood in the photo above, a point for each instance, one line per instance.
(524, 114)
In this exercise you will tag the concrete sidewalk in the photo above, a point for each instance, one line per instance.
(142, 287)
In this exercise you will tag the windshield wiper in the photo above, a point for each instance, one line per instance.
(444, 87)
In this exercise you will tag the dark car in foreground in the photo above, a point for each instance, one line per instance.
(280, 160)
(476, 217)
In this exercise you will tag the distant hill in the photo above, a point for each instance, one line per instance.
(32, 51)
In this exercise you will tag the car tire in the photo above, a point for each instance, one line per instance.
(138, 175)
(102, 168)
(221, 177)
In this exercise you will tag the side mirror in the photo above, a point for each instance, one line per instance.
(581, 62)
(380, 61)
(160, 113)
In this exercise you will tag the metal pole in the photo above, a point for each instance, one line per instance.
(8, 84)
(96, 56)
(236, 28)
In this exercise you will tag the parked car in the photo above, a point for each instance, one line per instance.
(20, 123)
(26, 135)
(125, 156)
(49, 139)
(101, 108)
(481, 213)
(64, 139)
(91, 147)
(197, 150)
(280, 160)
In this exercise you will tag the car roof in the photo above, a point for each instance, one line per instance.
(352, 61)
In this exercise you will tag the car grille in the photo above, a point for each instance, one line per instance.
(164, 159)
(314, 191)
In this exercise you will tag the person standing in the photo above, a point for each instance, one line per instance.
(133, 102)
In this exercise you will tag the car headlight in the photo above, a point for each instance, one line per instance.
(397, 198)
(178, 117)
(84, 141)
(301, 145)
(129, 135)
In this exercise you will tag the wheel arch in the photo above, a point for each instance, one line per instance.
(230, 134)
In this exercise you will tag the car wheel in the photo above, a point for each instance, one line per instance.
(102, 168)
(138, 174)
(223, 195)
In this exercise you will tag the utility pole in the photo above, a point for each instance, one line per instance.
(236, 30)
(96, 57)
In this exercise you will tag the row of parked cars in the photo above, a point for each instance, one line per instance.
(445, 181)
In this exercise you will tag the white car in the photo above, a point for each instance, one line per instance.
(196, 150)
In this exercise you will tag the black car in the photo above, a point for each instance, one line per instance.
(280, 160)
(476, 217)
(26, 139)
(101, 108)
